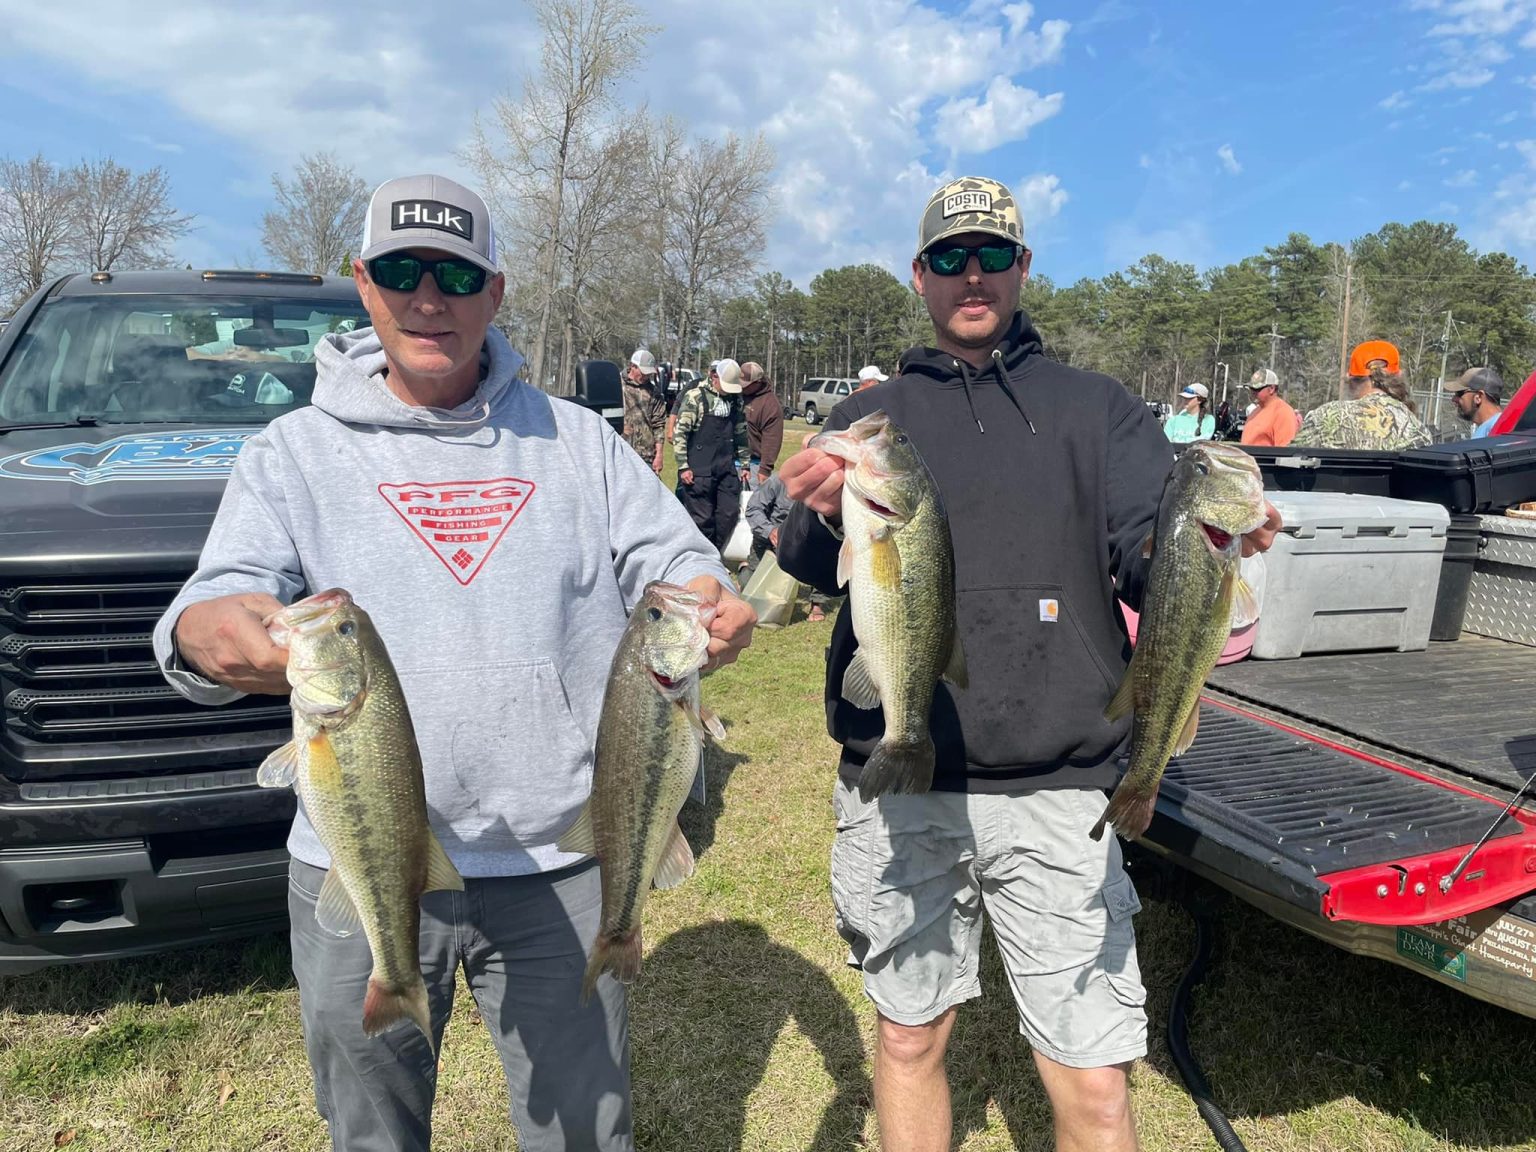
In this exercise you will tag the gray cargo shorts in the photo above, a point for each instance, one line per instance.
(912, 874)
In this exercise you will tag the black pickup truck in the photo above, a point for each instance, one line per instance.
(129, 818)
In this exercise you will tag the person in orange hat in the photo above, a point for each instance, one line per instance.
(1378, 414)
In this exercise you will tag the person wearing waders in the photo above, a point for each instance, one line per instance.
(711, 446)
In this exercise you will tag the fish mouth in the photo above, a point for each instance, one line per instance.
(1217, 540)
(304, 617)
(883, 511)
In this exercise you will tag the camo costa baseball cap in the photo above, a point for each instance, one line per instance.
(429, 212)
(970, 204)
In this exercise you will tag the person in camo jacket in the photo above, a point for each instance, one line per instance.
(645, 408)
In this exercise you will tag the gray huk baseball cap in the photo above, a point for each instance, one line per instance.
(429, 212)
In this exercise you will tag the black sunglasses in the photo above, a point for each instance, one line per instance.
(1460, 392)
(952, 259)
(402, 273)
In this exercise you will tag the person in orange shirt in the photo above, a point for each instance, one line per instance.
(1275, 422)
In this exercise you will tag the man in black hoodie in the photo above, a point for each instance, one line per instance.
(1051, 477)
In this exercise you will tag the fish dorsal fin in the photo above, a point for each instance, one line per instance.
(280, 768)
(579, 836)
(334, 910)
(676, 863)
(845, 562)
(442, 876)
(1124, 701)
(955, 671)
(1191, 730)
(859, 687)
(1245, 605)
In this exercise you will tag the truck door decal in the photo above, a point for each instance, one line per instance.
(196, 454)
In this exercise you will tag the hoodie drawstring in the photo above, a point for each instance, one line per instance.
(965, 379)
(1002, 379)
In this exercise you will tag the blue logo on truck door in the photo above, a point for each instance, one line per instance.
(204, 454)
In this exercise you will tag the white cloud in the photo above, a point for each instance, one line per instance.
(1040, 197)
(866, 102)
(1006, 113)
(1395, 101)
(1229, 159)
(157, 145)
(1463, 179)
(1469, 78)
(1470, 39)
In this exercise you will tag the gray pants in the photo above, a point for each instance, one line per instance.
(523, 942)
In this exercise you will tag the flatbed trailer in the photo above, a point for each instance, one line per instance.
(1345, 795)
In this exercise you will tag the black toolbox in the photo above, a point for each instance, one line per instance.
(1324, 469)
(1484, 475)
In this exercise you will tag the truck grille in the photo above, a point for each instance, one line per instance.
(77, 665)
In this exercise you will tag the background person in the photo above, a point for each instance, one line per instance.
(711, 446)
(1378, 413)
(765, 424)
(1191, 422)
(1270, 419)
(405, 414)
(1479, 396)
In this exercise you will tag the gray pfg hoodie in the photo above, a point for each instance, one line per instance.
(496, 546)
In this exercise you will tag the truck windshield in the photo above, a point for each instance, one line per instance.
(146, 359)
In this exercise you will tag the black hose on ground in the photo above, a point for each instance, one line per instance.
(1178, 1039)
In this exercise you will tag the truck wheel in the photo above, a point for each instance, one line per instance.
(810, 414)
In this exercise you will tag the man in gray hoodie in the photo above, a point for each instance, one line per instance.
(497, 537)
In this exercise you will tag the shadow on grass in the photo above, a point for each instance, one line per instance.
(698, 823)
(704, 1019)
(180, 976)
(1284, 1023)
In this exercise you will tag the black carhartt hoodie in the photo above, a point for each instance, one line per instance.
(1051, 477)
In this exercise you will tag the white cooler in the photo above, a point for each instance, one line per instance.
(1350, 573)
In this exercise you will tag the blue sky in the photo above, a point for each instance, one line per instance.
(1201, 131)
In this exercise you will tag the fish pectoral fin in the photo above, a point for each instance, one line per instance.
(706, 722)
(579, 837)
(845, 562)
(334, 910)
(859, 687)
(280, 768)
(676, 861)
(1245, 605)
(1147, 544)
(1191, 730)
(442, 876)
(955, 671)
(1124, 701)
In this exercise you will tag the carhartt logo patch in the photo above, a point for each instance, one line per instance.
(1050, 611)
(461, 521)
(958, 202)
(432, 214)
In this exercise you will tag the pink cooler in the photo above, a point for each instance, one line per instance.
(1238, 645)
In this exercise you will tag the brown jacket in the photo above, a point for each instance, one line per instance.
(765, 423)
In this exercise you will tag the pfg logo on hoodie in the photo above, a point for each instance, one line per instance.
(461, 521)
(200, 454)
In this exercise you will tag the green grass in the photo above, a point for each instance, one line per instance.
(749, 1031)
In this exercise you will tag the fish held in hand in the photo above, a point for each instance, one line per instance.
(898, 563)
(1194, 594)
(354, 762)
(649, 739)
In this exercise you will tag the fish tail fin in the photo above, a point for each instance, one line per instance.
(898, 768)
(1130, 811)
(616, 952)
(383, 1006)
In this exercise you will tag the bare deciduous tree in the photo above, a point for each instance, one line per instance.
(552, 136)
(319, 216)
(720, 224)
(35, 202)
(120, 217)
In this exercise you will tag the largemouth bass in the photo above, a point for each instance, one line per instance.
(1213, 496)
(649, 738)
(354, 762)
(899, 565)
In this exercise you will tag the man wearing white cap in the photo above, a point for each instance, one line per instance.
(1191, 422)
(711, 444)
(869, 376)
(645, 408)
(497, 537)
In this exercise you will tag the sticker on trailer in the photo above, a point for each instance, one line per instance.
(199, 454)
